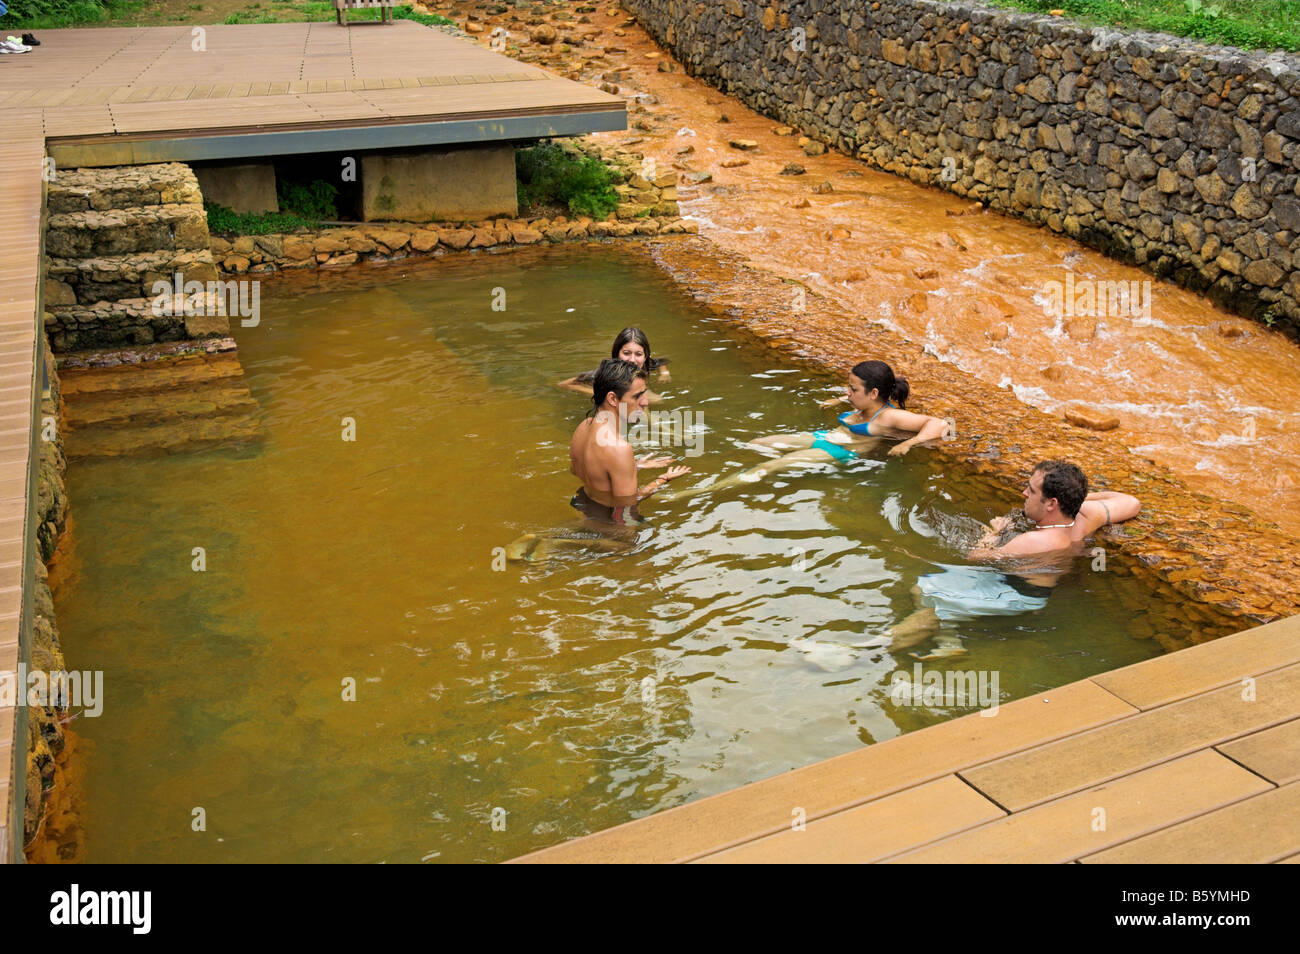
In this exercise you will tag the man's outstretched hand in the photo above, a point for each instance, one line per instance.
(648, 463)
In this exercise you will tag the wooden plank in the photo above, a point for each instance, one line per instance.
(1273, 753)
(1219, 662)
(1068, 828)
(872, 831)
(1050, 771)
(1256, 831)
(764, 808)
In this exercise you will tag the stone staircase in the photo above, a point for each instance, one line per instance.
(172, 380)
(155, 400)
(110, 235)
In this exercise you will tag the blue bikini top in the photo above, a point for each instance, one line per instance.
(865, 428)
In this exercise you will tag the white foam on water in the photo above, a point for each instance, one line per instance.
(1228, 440)
(1030, 394)
(1172, 411)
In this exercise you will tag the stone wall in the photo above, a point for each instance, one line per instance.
(340, 247)
(44, 728)
(1163, 152)
(110, 235)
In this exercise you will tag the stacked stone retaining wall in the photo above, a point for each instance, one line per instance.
(1163, 152)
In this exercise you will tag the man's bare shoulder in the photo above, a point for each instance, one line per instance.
(1035, 542)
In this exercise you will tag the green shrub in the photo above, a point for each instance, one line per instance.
(324, 10)
(303, 205)
(51, 14)
(312, 200)
(224, 221)
(549, 174)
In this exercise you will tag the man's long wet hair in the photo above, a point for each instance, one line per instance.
(614, 375)
(637, 335)
(878, 375)
(1066, 482)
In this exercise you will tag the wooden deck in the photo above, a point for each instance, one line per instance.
(109, 96)
(1192, 757)
(97, 91)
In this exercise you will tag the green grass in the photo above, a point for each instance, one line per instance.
(318, 11)
(1252, 24)
(53, 14)
(303, 205)
(550, 174)
(223, 221)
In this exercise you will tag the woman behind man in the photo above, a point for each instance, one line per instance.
(631, 346)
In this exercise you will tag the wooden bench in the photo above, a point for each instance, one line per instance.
(341, 8)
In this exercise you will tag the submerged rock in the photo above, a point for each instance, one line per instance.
(1094, 419)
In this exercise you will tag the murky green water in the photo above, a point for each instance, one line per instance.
(519, 689)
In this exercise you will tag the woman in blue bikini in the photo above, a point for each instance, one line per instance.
(877, 398)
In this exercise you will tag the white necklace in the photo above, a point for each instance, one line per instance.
(1053, 526)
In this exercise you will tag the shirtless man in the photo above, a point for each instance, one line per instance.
(1064, 514)
(1058, 502)
(602, 458)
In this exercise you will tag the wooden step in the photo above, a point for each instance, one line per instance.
(1081, 824)
(1273, 753)
(1019, 781)
(1245, 833)
(872, 831)
(1221, 662)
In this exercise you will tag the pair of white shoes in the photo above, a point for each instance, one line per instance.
(11, 44)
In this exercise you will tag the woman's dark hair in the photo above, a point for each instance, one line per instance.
(612, 375)
(878, 375)
(637, 335)
(1065, 482)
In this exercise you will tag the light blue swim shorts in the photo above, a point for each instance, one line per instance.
(967, 592)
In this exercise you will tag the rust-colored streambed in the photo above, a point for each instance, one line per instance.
(1209, 395)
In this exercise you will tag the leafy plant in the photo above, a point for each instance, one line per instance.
(52, 14)
(1198, 7)
(551, 174)
(312, 200)
(225, 221)
(303, 205)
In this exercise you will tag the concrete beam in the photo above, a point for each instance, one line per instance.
(248, 188)
(449, 185)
